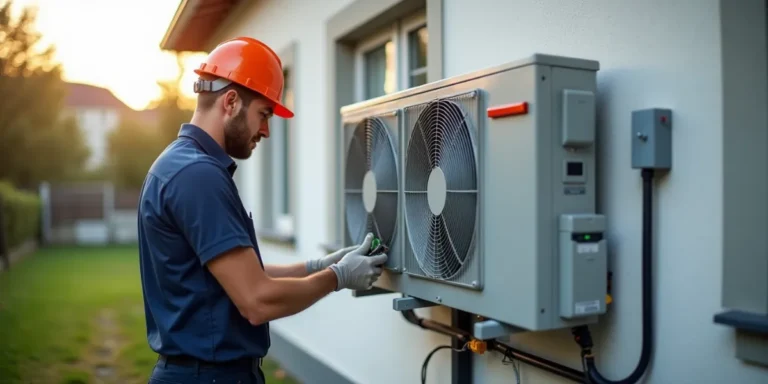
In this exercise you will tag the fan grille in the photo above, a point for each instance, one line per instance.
(441, 196)
(371, 183)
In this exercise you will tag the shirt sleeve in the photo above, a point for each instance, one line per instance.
(204, 205)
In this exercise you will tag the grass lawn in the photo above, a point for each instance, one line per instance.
(75, 315)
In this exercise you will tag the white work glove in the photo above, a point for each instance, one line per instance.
(317, 265)
(356, 270)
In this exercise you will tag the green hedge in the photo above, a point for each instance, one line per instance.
(21, 211)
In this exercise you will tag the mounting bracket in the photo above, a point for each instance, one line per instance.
(408, 303)
(492, 329)
(370, 292)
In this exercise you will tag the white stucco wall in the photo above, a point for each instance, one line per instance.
(652, 53)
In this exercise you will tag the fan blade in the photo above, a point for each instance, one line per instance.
(429, 123)
(418, 219)
(356, 215)
(418, 165)
(436, 249)
(385, 214)
(459, 217)
(355, 162)
(383, 158)
(361, 135)
(458, 158)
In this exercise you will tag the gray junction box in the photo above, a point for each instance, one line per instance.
(481, 184)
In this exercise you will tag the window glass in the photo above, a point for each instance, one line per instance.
(380, 70)
(417, 56)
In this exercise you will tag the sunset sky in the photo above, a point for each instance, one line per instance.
(113, 44)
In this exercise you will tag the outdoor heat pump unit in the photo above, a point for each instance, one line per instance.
(483, 186)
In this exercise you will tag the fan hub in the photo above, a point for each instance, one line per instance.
(369, 191)
(436, 191)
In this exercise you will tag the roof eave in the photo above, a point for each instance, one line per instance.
(207, 17)
(171, 33)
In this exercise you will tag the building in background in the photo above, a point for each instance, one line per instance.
(93, 212)
(705, 60)
(98, 112)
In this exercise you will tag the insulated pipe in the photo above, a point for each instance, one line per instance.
(431, 325)
(530, 359)
(538, 362)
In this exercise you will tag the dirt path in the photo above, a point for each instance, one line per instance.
(101, 356)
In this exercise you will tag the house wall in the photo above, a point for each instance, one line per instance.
(652, 54)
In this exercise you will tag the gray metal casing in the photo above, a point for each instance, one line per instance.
(652, 139)
(523, 186)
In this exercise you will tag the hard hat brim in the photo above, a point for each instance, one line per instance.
(281, 111)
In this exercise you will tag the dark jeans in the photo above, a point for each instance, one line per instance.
(168, 373)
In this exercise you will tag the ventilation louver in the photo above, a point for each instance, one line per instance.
(371, 183)
(441, 196)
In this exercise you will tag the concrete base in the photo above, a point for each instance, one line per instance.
(301, 365)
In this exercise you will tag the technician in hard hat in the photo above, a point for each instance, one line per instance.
(208, 297)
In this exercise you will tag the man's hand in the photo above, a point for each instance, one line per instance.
(316, 265)
(356, 270)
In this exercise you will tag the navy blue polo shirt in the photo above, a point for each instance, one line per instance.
(189, 213)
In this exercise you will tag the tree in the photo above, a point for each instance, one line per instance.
(172, 106)
(36, 141)
(132, 149)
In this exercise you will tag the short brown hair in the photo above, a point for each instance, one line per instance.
(205, 100)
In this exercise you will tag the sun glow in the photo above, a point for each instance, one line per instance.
(112, 44)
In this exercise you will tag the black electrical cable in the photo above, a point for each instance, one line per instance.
(429, 357)
(582, 333)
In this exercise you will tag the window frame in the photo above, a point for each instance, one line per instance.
(345, 31)
(278, 130)
(744, 291)
(271, 189)
(410, 24)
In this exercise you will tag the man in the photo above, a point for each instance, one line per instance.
(208, 297)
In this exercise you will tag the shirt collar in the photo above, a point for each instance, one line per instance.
(209, 145)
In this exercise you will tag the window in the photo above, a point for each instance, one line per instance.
(276, 189)
(417, 56)
(744, 288)
(393, 59)
(376, 48)
(379, 70)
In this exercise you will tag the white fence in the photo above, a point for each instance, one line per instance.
(88, 213)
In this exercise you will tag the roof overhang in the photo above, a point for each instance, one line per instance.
(194, 22)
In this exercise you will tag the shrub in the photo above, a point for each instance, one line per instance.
(21, 213)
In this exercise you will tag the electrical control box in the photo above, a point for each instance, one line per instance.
(583, 265)
(652, 139)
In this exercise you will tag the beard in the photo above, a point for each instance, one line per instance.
(237, 137)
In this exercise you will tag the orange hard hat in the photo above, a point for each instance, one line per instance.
(250, 63)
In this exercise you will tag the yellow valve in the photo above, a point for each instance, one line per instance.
(477, 346)
(608, 299)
